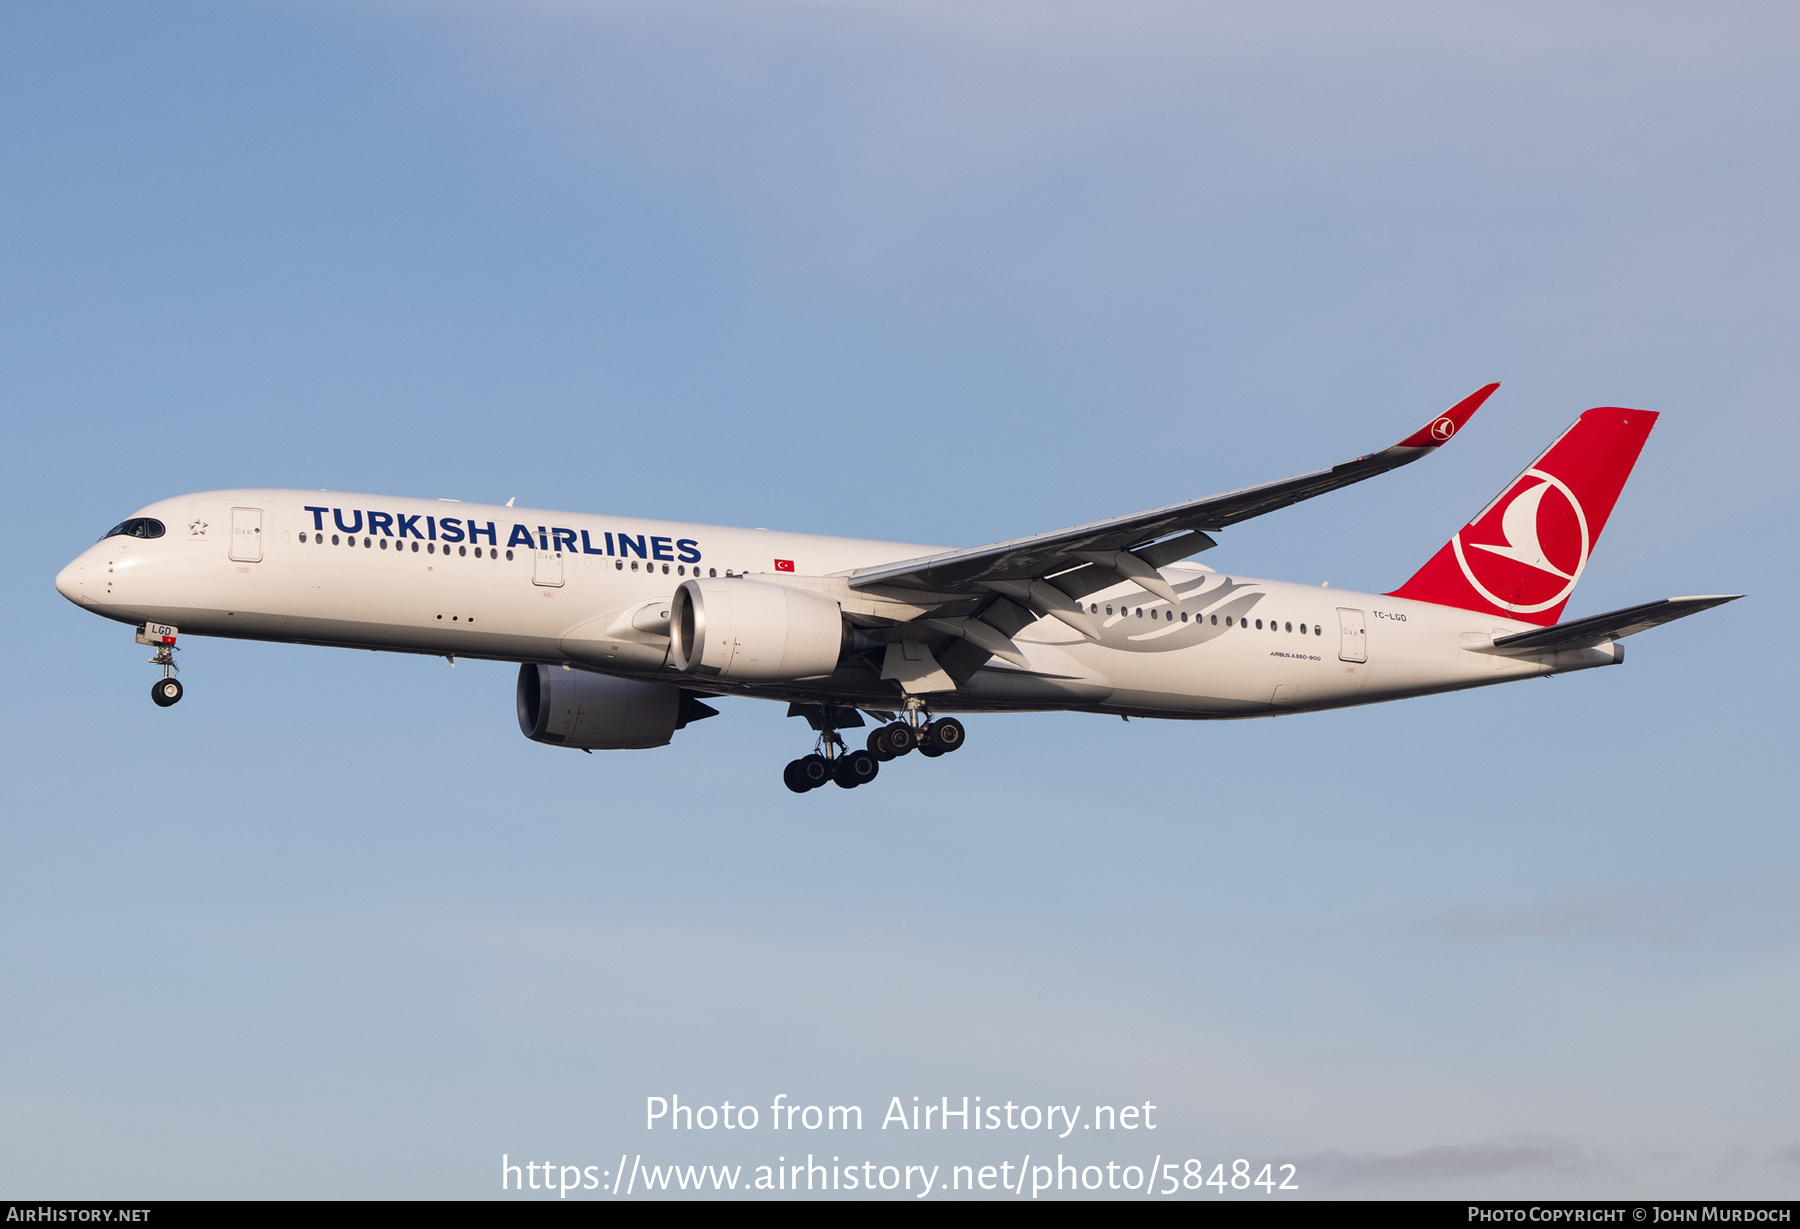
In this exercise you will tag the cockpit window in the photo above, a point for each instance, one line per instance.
(136, 527)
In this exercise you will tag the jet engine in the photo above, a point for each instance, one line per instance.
(753, 631)
(597, 712)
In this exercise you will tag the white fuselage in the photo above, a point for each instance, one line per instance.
(377, 572)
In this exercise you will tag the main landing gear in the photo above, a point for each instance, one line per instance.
(167, 689)
(849, 769)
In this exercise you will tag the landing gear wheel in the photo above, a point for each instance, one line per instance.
(946, 734)
(900, 737)
(879, 747)
(929, 749)
(812, 770)
(857, 768)
(790, 777)
(165, 692)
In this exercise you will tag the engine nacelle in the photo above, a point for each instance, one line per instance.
(748, 630)
(597, 712)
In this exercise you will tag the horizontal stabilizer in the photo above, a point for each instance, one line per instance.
(1614, 625)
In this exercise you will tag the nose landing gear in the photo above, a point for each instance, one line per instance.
(167, 689)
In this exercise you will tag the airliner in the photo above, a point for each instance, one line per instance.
(624, 628)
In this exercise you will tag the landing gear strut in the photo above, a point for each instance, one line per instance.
(832, 761)
(167, 689)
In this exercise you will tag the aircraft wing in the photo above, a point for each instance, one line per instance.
(1087, 558)
(1613, 625)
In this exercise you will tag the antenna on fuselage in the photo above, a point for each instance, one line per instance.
(509, 502)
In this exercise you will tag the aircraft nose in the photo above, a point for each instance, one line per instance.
(72, 581)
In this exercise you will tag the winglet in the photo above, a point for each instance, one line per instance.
(1438, 431)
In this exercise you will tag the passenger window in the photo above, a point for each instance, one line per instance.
(634, 565)
(665, 569)
(1290, 627)
(1317, 630)
(1227, 620)
(1215, 621)
(1184, 616)
(462, 551)
(384, 544)
(368, 543)
(1140, 612)
(618, 565)
(509, 556)
(712, 571)
(1259, 625)
(1109, 610)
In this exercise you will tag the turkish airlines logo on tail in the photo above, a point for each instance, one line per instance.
(1525, 553)
(1443, 429)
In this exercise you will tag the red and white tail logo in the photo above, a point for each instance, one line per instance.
(1522, 554)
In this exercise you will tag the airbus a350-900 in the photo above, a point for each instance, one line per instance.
(624, 627)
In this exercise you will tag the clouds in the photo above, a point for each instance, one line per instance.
(1760, 911)
(1451, 1163)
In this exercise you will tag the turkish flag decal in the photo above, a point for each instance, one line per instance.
(784, 565)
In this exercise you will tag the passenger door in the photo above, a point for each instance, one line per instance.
(547, 568)
(1353, 638)
(246, 535)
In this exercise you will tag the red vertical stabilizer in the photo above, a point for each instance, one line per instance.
(1522, 554)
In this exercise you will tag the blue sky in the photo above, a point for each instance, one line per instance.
(937, 273)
